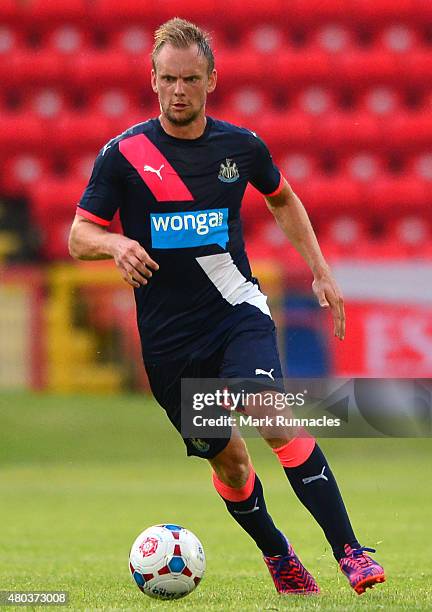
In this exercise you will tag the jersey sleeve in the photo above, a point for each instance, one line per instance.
(265, 176)
(102, 195)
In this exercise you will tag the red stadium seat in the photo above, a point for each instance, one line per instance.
(112, 103)
(316, 100)
(409, 130)
(249, 102)
(418, 66)
(20, 131)
(350, 131)
(99, 69)
(49, 10)
(298, 168)
(412, 231)
(291, 128)
(326, 195)
(366, 67)
(10, 10)
(421, 166)
(316, 11)
(243, 18)
(396, 196)
(423, 11)
(76, 131)
(411, 236)
(80, 165)
(119, 107)
(347, 235)
(398, 38)
(367, 248)
(67, 39)
(21, 172)
(133, 40)
(363, 167)
(370, 13)
(48, 103)
(32, 66)
(298, 165)
(333, 38)
(54, 239)
(300, 66)
(254, 212)
(240, 68)
(200, 11)
(10, 39)
(381, 100)
(426, 102)
(113, 13)
(52, 207)
(266, 38)
(55, 198)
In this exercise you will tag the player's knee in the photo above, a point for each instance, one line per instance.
(232, 466)
(236, 474)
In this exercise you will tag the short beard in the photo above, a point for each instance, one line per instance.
(182, 122)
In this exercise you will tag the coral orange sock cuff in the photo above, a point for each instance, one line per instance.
(296, 451)
(230, 493)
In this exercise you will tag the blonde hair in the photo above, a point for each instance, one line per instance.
(182, 34)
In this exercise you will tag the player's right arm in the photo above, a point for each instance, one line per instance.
(89, 238)
(89, 241)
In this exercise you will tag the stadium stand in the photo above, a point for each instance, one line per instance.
(340, 91)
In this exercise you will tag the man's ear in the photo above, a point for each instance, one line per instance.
(153, 81)
(211, 85)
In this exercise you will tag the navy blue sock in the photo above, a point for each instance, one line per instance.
(252, 515)
(316, 488)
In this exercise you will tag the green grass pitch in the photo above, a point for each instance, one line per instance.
(80, 477)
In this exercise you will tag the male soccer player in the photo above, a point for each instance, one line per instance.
(178, 181)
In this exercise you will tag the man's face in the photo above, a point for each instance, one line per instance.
(182, 83)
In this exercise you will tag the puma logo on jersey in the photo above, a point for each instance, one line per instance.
(269, 373)
(150, 169)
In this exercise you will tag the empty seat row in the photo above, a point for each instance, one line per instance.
(107, 67)
(340, 131)
(249, 102)
(342, 236)
(20, 172)
(384, 198)
(266, 38)
(304, 12)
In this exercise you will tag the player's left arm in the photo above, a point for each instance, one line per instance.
(294, 221)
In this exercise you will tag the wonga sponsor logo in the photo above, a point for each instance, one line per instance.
(189, 229)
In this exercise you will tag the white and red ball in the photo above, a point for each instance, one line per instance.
(167, 561)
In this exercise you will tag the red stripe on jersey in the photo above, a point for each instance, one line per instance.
(154, 169)
(278, 188)
(91, 217)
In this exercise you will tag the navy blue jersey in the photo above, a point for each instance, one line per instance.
(180, 199)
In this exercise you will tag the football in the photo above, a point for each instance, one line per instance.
(167, 561)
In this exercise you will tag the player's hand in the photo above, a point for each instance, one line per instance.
(135, 264)
(330, 296)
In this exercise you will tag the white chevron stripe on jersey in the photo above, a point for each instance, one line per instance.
(231, 283)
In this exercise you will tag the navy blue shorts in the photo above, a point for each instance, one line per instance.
(249, 352)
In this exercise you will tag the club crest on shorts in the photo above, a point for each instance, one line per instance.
(228, 172)
(200, 445)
